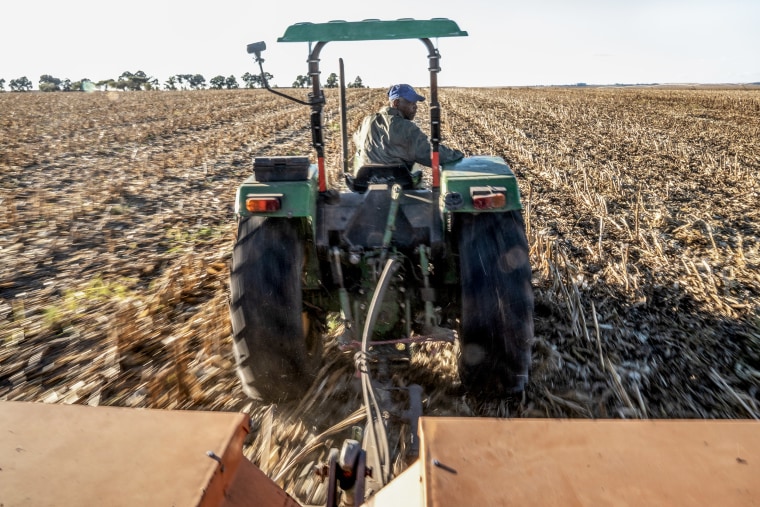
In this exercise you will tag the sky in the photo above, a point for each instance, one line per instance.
(510, 43)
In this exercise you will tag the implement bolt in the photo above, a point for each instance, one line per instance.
(216, 458)
(444, 467)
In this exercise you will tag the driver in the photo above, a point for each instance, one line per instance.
(390, 137)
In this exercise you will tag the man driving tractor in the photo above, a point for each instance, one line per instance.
(390, 136)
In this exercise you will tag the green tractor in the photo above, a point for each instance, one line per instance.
(397, 262)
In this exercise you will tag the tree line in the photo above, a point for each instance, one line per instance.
(140, 81)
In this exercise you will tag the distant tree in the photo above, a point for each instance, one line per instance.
(231, 83)
(66, 85)
(2, 85)
(125, 78)
(171, 83)
(184, 78)
(134, 82)
(140, 81)
(251, 80)
(197, 82)
(49, 83)
(21, 84)
(332, 81)
(356, 84)
(255, 80)
(302, 82)
(217, 82)
(125, 81)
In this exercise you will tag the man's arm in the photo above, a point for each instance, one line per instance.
(446, 154)
(421, 147)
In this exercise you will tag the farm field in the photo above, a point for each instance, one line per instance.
(643, 217)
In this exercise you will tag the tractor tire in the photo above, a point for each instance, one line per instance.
(277, 345)
(496, 322)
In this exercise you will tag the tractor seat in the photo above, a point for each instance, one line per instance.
(379, 173)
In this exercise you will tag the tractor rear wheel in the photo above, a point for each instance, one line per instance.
(277, 345)
(496, 325)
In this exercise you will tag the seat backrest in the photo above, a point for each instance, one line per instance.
(378, 173)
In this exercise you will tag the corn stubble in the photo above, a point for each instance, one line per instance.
(116, 230)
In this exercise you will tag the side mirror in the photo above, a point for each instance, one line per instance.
(256, 48)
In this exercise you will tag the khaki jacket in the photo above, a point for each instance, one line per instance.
(386, 137)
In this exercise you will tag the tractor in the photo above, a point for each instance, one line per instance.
(392, 260)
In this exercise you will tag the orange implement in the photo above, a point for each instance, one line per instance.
(68, 455)
(74, 455)
(494, 462)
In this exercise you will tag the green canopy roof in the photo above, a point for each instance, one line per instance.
(372, 29)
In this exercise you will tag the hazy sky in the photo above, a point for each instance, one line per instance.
(510, 43)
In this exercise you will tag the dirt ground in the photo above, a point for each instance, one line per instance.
(117, 226)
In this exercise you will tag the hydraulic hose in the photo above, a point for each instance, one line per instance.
(377, 435)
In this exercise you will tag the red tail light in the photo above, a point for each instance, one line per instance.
(488, 197)
(262, 204)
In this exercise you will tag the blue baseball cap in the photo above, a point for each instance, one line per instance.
(404, 91)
